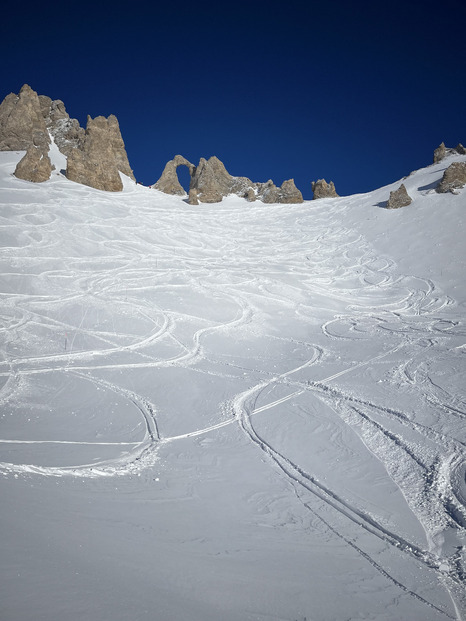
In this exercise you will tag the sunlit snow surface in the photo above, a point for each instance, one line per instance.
(234, 411)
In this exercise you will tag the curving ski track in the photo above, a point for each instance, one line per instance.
(147, 306)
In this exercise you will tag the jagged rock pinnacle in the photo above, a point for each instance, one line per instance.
(322, 189)
(30, 120)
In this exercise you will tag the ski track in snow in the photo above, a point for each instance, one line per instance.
(63, 314)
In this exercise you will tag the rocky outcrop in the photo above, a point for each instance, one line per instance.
(23, 128)
(442, 151)
(22, 123)
(192, 197)
(52, 110)
(118, 147)
(322, 189)
(34, 166)
(439, 153)
(250, 195)
(286, 193)
(454, 178)
(289, 193)
(399, 198)
(95, 162)
(169, 182)
(267, 192)
(66, 132)
(210, 182)
(97, 155)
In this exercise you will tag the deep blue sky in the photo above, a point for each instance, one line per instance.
(355, 92)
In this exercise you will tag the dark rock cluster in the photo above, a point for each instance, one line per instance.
(454, 177)
(96, 156)
(210, 182)
(29, 122)
(442, 151)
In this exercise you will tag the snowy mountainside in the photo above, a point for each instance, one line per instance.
(237, 411)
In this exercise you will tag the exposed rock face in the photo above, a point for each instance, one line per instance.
(250, 195)
(52, 110)
(454, 178)
(192, 197)
(287, 193)
(66, 132)
(322, 189)
(35, 166)
(118, 147)
(169, 182)
(95, 162)
(399, 198)
(268, 192)
(442, 151)
(97, 154)
(210, 182)
(205, 184)
(23, 127)
(22, 123)
(439, 153)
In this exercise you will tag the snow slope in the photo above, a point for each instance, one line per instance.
(233, 411)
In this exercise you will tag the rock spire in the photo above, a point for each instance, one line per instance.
(322, 189)
(22, 123)
(96, 156)
(93, 162)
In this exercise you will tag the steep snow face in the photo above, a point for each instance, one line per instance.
(236, 411)
(427, 237)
